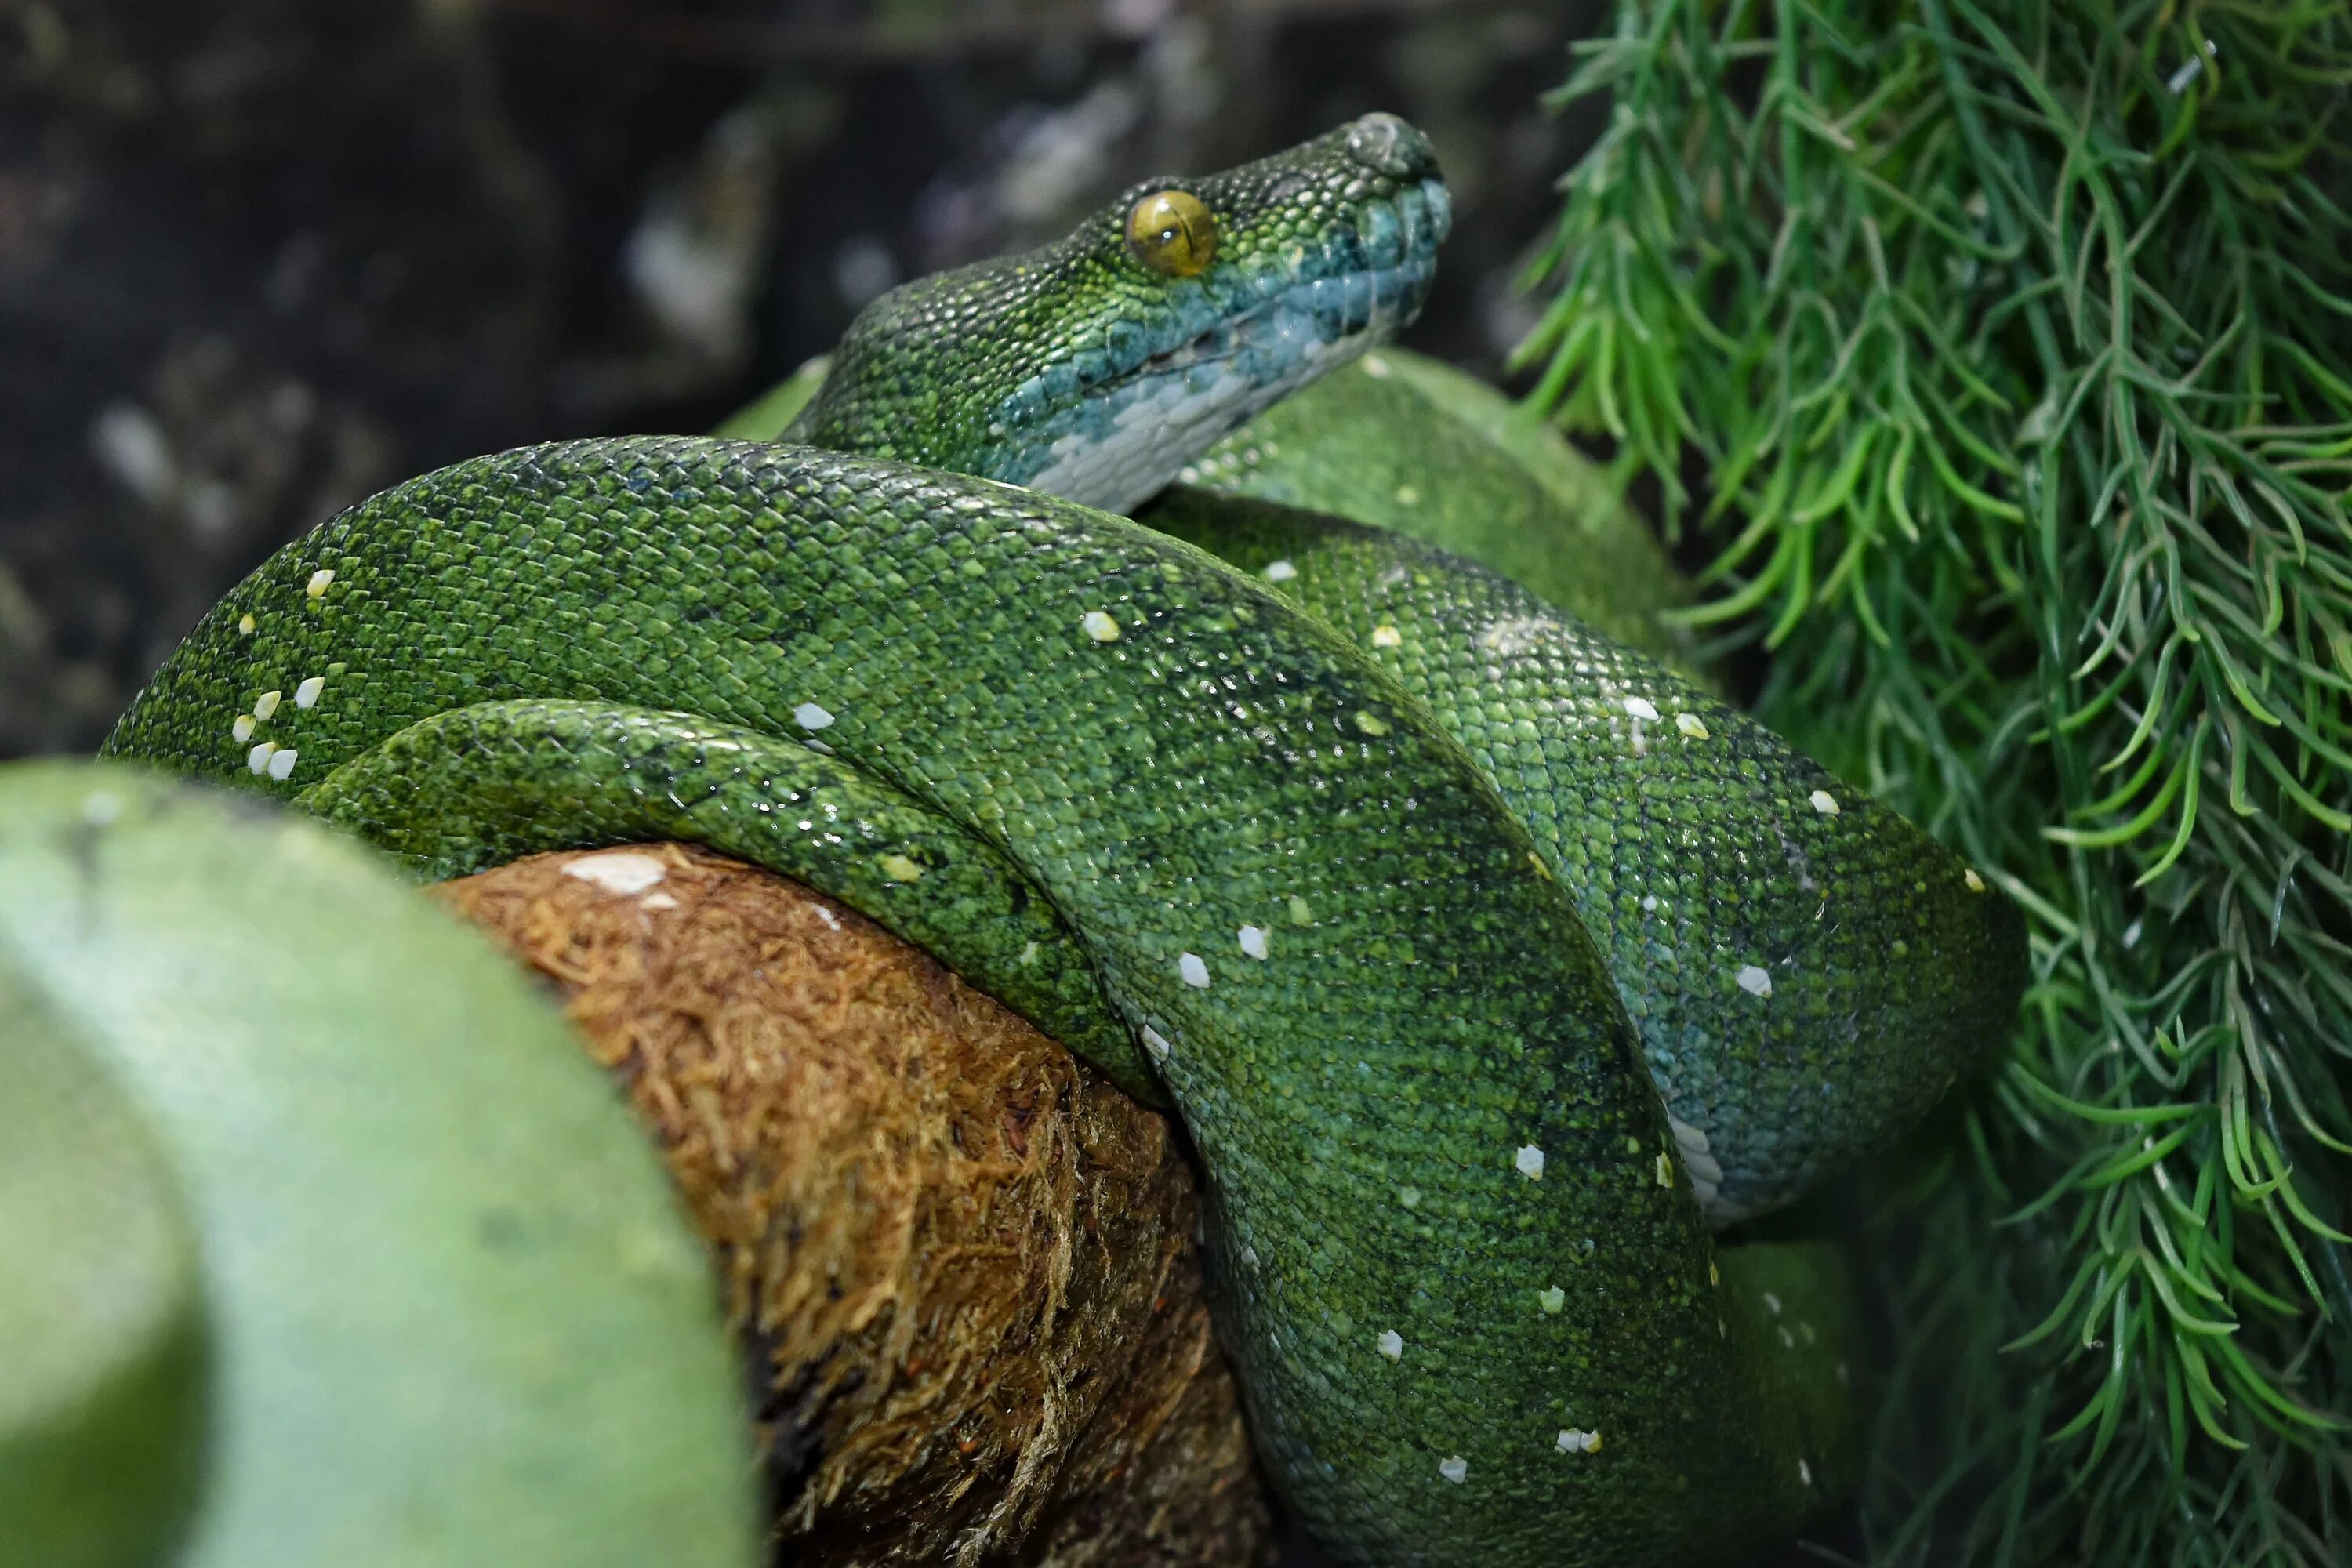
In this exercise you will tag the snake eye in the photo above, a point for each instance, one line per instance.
(1172, 233)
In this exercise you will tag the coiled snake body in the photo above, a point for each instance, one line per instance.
(1323, 880)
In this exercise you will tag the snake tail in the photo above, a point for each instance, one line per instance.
(376, 1270)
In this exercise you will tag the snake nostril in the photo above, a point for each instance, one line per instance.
(1384, 142)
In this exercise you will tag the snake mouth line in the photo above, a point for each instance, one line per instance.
(1369, 277)
(1366, 302)
(1130, 420)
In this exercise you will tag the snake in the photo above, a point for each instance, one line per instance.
(320, 1246)
(1490, 966)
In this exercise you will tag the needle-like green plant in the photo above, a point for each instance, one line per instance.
(2014, 341)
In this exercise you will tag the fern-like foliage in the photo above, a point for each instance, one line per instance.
(2014, 341)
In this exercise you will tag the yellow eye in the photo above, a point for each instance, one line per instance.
(1173, 233)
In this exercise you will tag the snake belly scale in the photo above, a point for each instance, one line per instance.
(1461, 1265)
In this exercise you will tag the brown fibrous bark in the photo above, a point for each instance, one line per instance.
(962, 1266)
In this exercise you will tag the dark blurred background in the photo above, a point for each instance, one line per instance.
(261, 257)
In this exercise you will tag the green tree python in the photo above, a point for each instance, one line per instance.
(1484, 960)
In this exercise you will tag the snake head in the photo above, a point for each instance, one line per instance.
(1098, 366)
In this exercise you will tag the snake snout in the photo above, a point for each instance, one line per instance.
(1389, 145)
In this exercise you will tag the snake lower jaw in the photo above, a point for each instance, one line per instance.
(1127, 441)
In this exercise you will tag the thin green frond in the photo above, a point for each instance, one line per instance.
(2013, 339)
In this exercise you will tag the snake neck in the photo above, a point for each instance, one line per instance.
(1079, 370)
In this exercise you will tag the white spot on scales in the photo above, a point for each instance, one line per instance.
(1515, 636)
(623, 871)
(1698, 1159)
